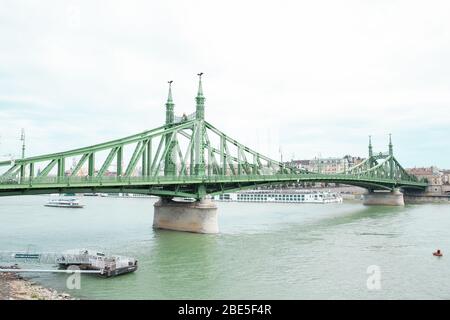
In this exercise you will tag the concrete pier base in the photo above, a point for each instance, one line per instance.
(384, 198)
(199, 216)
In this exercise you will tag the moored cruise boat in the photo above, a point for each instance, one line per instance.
(281, 196)
(64, 203)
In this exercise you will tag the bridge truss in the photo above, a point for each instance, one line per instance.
(187, 157)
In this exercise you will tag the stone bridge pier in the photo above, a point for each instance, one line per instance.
(384, 198)
(198, 216)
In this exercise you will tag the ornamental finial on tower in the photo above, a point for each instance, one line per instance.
(200, 89)
(169, 98)
(370, 146)
(169, 105)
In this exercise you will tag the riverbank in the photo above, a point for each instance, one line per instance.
(14, 287)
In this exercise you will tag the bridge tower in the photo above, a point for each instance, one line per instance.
(388, 198)
(199, 137)
(22, 167)
(169, 161)
(391, 158)
(199, 216)
(372, 161)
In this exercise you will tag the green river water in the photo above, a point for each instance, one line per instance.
(264, 251)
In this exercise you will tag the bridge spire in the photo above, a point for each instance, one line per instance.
(199, 141)
(370, 147)
(169, 166)
(169, 105)
(391, 147)
(200, 99)
(22, 138)
(391, 158)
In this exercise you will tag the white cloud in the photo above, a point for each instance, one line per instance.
(314, 76)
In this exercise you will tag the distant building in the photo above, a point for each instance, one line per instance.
(330, 165)
(445, 177)
(300, 164)
(353, 161)
(438, 180)
(327, 165)
(432, 174)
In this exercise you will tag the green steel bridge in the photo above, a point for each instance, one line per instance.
(186, 157)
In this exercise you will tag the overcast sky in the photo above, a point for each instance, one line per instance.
(312, 77)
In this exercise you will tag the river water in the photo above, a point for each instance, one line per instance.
(264, 251)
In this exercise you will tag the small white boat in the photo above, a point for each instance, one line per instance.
(181, 199)
(64, 203)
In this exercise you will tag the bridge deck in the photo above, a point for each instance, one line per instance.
(185, 185)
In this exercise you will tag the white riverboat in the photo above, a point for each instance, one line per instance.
(281, 196)
(64, 202)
